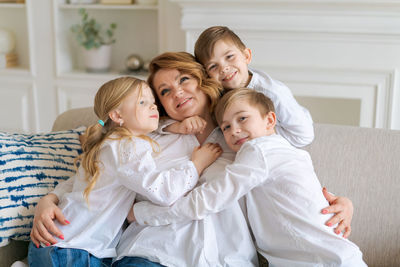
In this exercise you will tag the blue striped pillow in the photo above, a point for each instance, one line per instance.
(31, 165)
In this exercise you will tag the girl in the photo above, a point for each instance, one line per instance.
(116, 160)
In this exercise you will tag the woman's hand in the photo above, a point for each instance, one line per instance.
(343, 209)
(43, 227)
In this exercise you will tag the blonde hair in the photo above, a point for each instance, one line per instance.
(185, 63)
(254, 98)
(203, 49)
(108, 98)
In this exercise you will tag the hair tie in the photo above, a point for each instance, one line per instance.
(101, 122)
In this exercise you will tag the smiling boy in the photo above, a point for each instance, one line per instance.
(282, 192)
(226, 60)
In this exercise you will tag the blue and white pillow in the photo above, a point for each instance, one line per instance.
(31, 165)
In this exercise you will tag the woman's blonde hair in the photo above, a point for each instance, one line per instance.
(108, 98)
(185, 63)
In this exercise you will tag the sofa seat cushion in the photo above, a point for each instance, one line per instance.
(31, 165)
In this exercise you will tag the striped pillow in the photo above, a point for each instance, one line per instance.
(31, 165)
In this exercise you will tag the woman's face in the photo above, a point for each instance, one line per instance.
(179, 94)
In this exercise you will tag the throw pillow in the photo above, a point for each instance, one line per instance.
(31, 165)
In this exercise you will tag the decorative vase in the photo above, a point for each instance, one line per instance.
(7, 41)
(98, 59)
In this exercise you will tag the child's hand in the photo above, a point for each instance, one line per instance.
(203, 156)
(191, 125)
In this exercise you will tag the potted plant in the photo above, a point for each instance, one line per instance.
(96, 41)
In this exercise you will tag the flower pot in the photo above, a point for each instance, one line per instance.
(98, 59)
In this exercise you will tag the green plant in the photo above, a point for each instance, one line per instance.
(90, 34)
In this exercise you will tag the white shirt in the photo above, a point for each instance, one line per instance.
(221, 239)
(284, 205)
(294, 122)
(127, 168)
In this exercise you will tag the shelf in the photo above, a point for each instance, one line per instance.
(128, 18)
(83, 75)
(10, 5)
(99, 6)
(18, 71)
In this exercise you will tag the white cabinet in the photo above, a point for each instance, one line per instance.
(51, 77)
(17, 107)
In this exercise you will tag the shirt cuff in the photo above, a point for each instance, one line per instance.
(147, 213)
(163, 125)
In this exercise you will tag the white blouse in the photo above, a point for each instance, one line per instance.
(127, 168)
(284, 202)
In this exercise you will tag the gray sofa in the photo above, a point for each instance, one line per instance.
(360, 163)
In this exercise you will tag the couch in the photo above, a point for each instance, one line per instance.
(360, 163)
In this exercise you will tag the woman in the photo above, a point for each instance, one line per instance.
(221, 239)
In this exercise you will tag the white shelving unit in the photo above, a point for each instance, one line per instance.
(51, 77)
(16, 84)
(13, 17)
(131, 36)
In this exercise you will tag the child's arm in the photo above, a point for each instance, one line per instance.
(248, 171)
(294, 122)
(191, 125)
(163, 124)
(138, 172)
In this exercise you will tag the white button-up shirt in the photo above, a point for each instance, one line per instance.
(294, 122)
(127, 168)
(221, 239)
(284, 202)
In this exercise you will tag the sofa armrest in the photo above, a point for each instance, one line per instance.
(74, 118)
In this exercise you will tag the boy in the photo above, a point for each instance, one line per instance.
(283, 194)
(226, 59)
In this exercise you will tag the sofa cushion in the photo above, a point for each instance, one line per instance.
(31, 165)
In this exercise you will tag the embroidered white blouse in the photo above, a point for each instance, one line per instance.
(284, 202)
(127, 168)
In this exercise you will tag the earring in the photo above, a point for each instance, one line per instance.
(120, 123)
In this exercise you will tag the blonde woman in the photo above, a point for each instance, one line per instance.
(117, 164)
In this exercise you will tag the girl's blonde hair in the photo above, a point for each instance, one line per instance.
(108, 98)
(185, 63)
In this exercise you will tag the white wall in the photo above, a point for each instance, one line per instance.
(340, 58)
